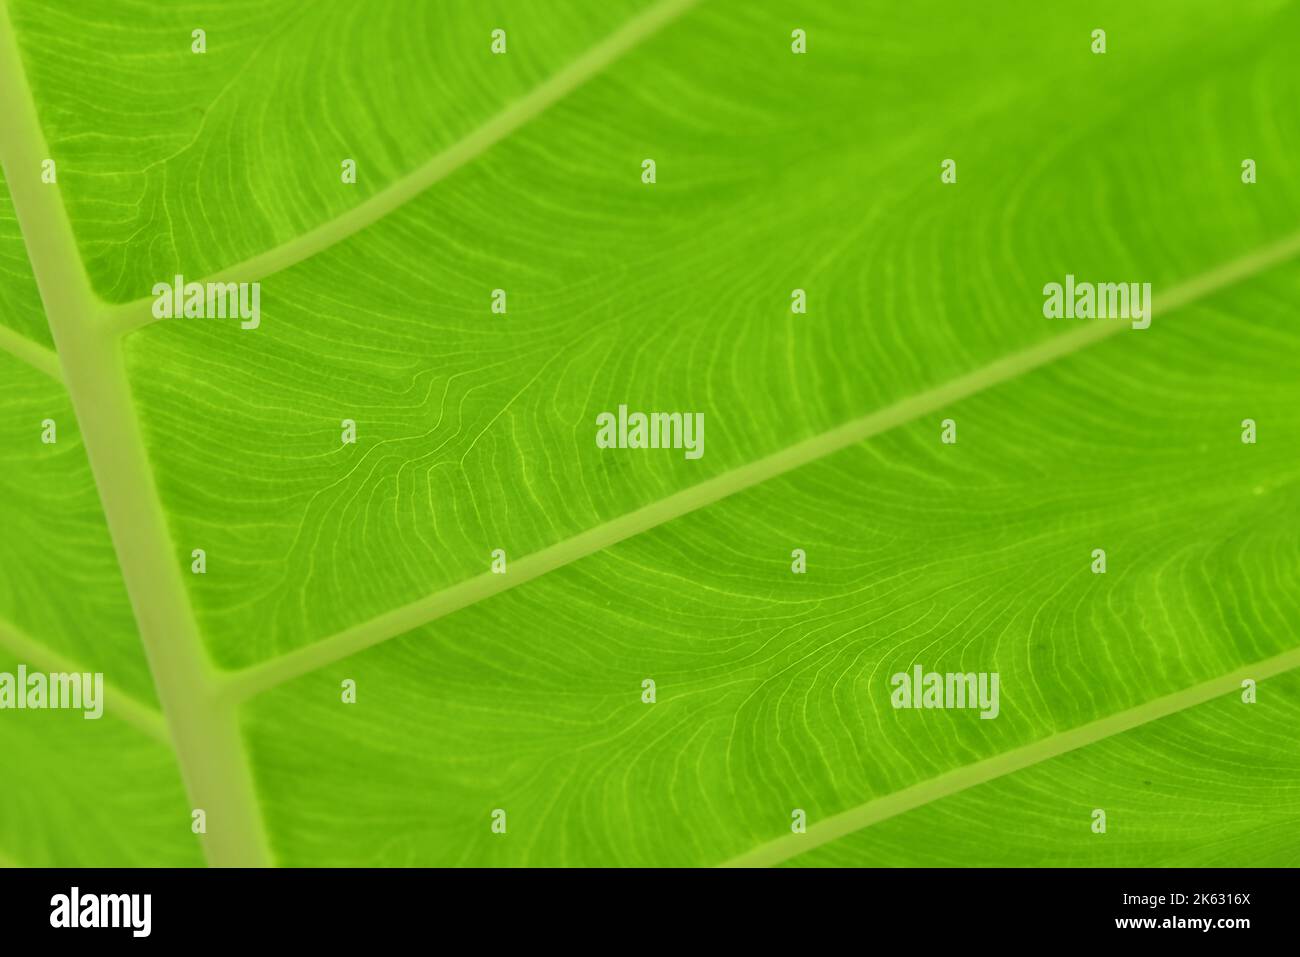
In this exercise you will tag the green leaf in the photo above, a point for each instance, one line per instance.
(329, 562)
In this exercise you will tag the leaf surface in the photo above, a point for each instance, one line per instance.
(521, 172)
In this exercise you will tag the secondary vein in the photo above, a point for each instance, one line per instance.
(39, 357)
(953, 782)
(119, 703)
(257, 678)
(133, 315)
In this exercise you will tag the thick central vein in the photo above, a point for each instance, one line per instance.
(204, 728)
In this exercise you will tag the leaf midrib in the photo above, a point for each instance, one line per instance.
(205, 733)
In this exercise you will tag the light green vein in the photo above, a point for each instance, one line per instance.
(634, 32)
(891, 805)
(117, 703)
(37, 356)
(257, 678)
